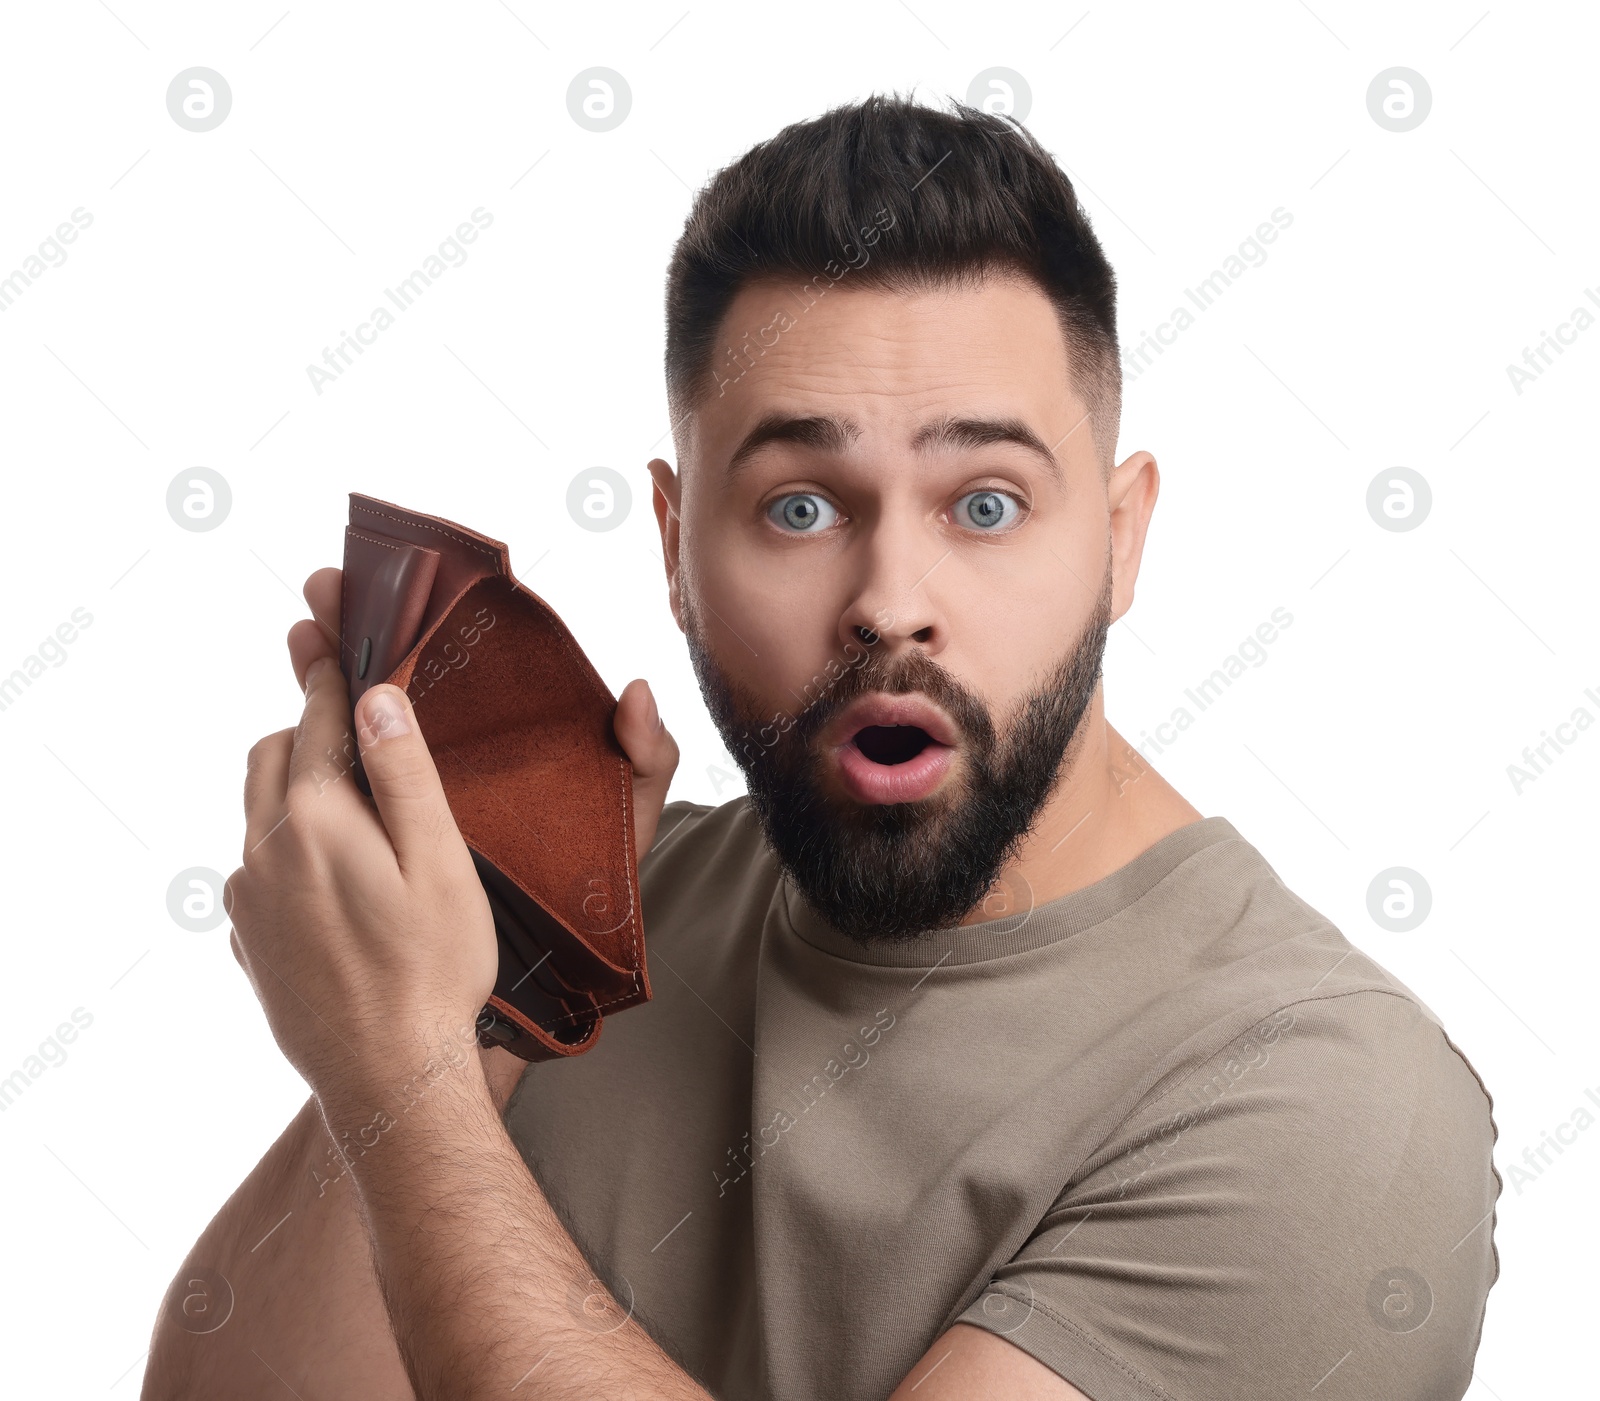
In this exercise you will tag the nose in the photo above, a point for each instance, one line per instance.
(892, 605)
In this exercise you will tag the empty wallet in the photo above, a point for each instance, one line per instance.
(519, 724)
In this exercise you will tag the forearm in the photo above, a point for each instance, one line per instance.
(486, 1293)
(278, 1289)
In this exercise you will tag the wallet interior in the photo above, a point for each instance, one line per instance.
(519, 726)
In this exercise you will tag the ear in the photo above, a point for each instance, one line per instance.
(1131, 492)
(666, 499)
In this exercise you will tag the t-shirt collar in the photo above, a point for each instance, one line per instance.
(1020, 930)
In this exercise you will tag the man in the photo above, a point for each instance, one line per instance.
(979, 1063)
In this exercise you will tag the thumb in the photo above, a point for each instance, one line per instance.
(653, 753)
(405, 783)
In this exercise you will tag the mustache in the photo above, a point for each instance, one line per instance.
(912, 671)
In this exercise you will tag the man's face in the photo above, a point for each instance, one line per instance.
(894, 574)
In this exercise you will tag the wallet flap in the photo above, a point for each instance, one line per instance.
(519, 724)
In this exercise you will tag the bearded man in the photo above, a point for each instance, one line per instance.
(980, 1062)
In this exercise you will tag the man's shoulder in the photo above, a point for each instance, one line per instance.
(1240, 921)
(1254, 955)
(728, 828)
(709, 864)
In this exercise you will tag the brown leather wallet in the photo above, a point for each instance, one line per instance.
(519, 725)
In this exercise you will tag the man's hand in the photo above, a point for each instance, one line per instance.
(367, 936)
(363, 925)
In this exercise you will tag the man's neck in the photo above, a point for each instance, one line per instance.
(1108, 806)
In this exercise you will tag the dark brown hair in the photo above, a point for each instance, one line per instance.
(892, 194)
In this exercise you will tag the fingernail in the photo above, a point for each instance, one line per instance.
(386, 719)
(317, 667)
(655, 715)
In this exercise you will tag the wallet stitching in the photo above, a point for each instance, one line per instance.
(596, 1008)
(633, 923)
(384, 541)
(545, 1025)
(452, 534)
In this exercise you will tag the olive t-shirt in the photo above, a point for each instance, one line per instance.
(1170, 1134)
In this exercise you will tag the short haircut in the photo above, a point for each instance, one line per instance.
(953, 195)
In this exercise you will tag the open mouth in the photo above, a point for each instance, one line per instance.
(892, 744)
(892, 749)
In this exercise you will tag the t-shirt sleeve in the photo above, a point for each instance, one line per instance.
(1308, 1213)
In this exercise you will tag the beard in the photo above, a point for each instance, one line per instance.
(887, 873)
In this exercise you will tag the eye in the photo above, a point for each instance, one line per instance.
(803, 513)
(992, 512)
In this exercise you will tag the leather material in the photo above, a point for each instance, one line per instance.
(519, 725)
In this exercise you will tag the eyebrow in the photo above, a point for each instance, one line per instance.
(829, 433)
(820, 432)
(981, 432)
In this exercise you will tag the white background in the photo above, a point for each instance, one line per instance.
(219, 264)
